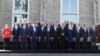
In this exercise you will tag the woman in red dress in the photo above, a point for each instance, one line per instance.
(6, 33)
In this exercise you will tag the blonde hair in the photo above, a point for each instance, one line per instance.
(6, 26)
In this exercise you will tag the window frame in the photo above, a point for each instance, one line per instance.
(19, 13)
(61, 11)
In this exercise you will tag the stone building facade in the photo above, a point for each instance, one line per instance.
(89, 11)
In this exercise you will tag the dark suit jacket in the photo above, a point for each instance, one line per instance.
(33, 33)
(92, 33)
(38, 29)
(59, 30)
(29, 31)
(77, 34)
(43, 33)
(85, 33)
(70, 35)
(23, 32)
(54, 33)
(48, 33)
(15, 32)
(64, 31)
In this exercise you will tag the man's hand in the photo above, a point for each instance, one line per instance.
(30, 37)
(81, 39)
(74, 39)
(39, 38)
(62, 34)
(12, 36)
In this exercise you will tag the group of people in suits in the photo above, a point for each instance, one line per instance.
(42, 35)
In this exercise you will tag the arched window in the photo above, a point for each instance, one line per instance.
(70, 11)
(20, 11)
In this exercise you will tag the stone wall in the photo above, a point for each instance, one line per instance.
(1, 13)
(86, 15)
(53, 10)
(97, 12)
(6, 12)
(34, 10)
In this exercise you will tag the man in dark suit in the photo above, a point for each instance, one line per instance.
(93, 35)
(42, 36)
(78, 36)
(55, 36)
(15, 34)
(66, 35)
(28, 27)
(70, 38)
(58, 35)
(23, 37)
(33, 35)
(85, 37)
(48, 37)
(52, 36)
(38, 28)
(62, 36)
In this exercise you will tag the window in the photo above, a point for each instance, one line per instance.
(69, 11)
(20, 11)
